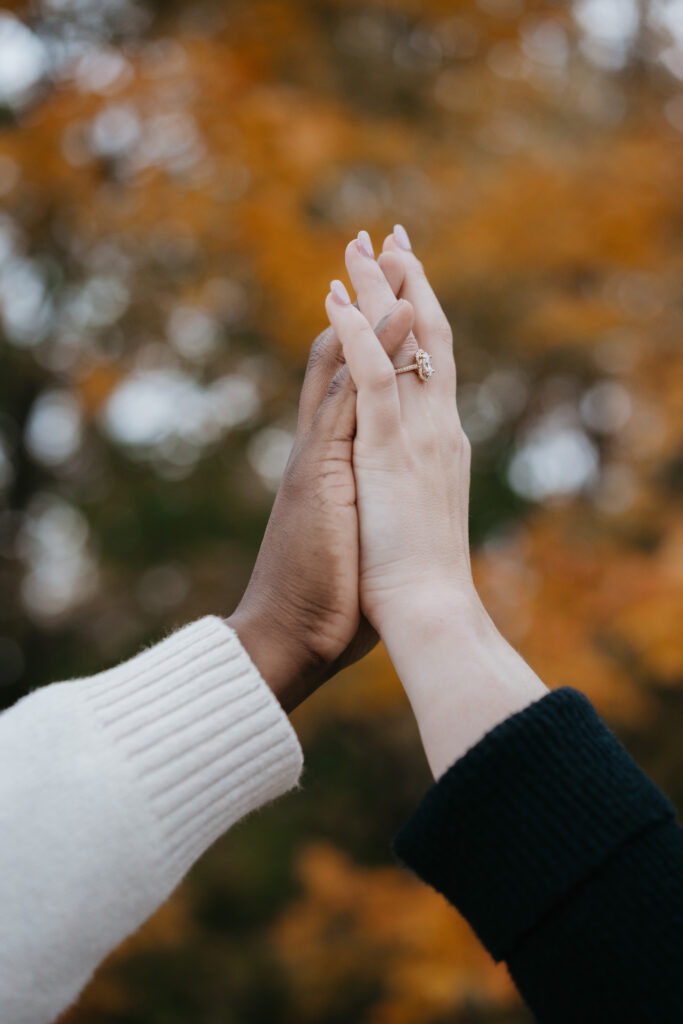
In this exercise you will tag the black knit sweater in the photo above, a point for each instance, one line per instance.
(567, 862)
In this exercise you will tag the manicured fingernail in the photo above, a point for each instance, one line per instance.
(365, 244)
(340, 293)
(401, 236)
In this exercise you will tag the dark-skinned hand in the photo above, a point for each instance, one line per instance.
(299, 618)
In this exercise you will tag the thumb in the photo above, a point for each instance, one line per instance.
(336, 415)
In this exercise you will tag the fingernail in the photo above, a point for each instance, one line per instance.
(401, 236)
(365, 244)
(340, 293)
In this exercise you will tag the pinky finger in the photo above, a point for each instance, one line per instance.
(377, 408)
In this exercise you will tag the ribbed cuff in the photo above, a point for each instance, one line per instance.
(526, 815)
(204, 736)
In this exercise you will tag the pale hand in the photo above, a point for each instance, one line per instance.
(411, 461)
(411, 458)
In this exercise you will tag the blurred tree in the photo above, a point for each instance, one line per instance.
(177, 182)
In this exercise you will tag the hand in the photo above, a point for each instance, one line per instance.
(411, 457)
(299, 618)
(411, 461)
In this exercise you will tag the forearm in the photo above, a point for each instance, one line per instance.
(461, 676)
(566, 861)
(110, 788)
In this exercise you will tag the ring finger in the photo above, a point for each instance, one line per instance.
(375, 298)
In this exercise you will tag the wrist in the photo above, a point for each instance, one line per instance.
(272, 653)
(434, 614)
(460, 674)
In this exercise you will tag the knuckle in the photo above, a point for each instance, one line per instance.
(443, 333)
(340, 381)
(334, 387)
(405, 354)
(456, 424)
(461, 442)
(429, 446)
(323, 348)
(321, 340)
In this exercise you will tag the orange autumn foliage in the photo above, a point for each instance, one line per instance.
(542, 192)
(382, 924)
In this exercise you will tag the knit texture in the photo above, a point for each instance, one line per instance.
(565, 859)
(110, 788)
(204, 737)
(612, 950)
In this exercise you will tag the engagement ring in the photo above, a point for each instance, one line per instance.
(422, 365)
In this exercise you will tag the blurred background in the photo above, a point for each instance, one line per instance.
(177, 184)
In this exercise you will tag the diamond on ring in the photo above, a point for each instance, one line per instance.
(425, 369)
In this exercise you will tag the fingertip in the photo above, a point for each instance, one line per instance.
(364, 243)
(339, 293)
(360, 246)
(351, 250)
(401, 238)
(332, 308)
(343, 316)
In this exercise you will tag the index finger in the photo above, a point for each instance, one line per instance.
(377, 404)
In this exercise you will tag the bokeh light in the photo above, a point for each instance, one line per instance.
(177, 184)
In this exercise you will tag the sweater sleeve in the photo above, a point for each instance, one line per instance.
(567, 862)
(110, 788)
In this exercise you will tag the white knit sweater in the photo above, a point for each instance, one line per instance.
(110, 788)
